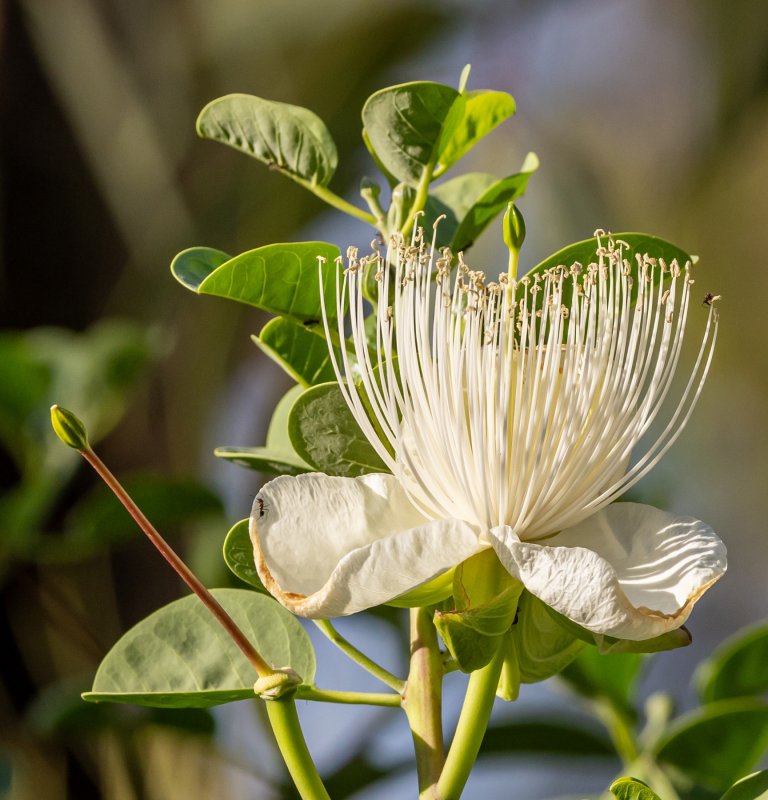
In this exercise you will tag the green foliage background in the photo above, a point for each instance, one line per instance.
(646, 115)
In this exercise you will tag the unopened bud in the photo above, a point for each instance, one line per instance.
(69, 428)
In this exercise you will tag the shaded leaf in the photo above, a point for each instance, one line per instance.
(325, 434)
(180, 657)
(279, 278)
(737, 668)
(192, 266)
(717, 744)
(238, 555)
(407, 126)
(632, 789)
(753, 787)
(551, 736)
(289, 138)
(484, 110)
(278, 457)
(301, 353)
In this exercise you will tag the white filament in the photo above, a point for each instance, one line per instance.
(516, 403)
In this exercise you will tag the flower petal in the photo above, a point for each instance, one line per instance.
(328, 546)
(630, 571)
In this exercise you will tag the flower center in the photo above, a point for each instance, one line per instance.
(516, 402)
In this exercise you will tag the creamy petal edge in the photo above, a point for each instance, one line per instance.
(330, 546)
(630, 571)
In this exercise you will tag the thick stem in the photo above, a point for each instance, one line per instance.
(185, 573)
(473, 722)
(290, 739)
(422, 701)
(384, 675)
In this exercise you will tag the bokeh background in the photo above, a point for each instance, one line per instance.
(647, 115)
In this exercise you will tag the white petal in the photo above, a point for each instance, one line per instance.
(328, 546)
(630, 571)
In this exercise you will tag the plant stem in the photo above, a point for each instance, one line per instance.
(290, 739)
(473, 722)
(185, 573)
(304, 692)
(339, 203)
(422, 193)
(422, 701)
(384, 675)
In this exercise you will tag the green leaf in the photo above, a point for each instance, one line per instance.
(584, 253)
(289, 138)
(300, 352)
(543, 647)
(279, 278)
(717, 744)
(484, 110)
(325, 434)
(613, 677)
(180, 657)
(408, 126)
(568, 737)
(278, 457)
(753, 787)
(471, 202)
(238, 555)
(737, 668)
(193, 265)
(632, 789)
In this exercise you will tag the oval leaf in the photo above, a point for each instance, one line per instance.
(193, 265)
(300, 352)
(719, 743)
(325, 434)
(753, 787)
(737, 668)
(180, 657)
(632, 789)
(279, 278)
(407, 126)
(238, 555)
(278, 457)
(289, 138)
(484, 110)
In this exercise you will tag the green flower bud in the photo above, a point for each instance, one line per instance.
(69, 428)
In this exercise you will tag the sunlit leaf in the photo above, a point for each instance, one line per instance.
(238, 555)
(737, 668)
(484, 110)
(407, 126)
(192, 266)
(301, 353)
(180, 657)
(632, 789)
(753, 787)
(325, 434)
(278, 457)
(279, 278)
(717, 744)
(289, 138)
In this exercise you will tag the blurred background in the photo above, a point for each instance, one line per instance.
(647, 115)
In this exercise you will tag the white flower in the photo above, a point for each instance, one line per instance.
(507, 414)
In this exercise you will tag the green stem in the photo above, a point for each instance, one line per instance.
(350, 698)
(385, 676)
(290, 739)
(422, 193)
(184, 572)
(339, 203)
(473, 722)
(620, 730)
(422, 701)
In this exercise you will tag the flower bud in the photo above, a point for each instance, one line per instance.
(69, 428)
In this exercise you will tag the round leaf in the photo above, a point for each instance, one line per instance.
(289, 138)
(325, 434)
(300, 352)
(737, 668)
(632, 789)
(407, 126)
(180, 657)
(193, 265)
(238, 555)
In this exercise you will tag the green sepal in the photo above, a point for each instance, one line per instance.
(278, 456)
(324, 433)
(291, 139)
(238, 555)
(632, 789)
(282, 279)
(427, 594)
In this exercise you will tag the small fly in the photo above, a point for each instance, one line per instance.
(710, 298)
